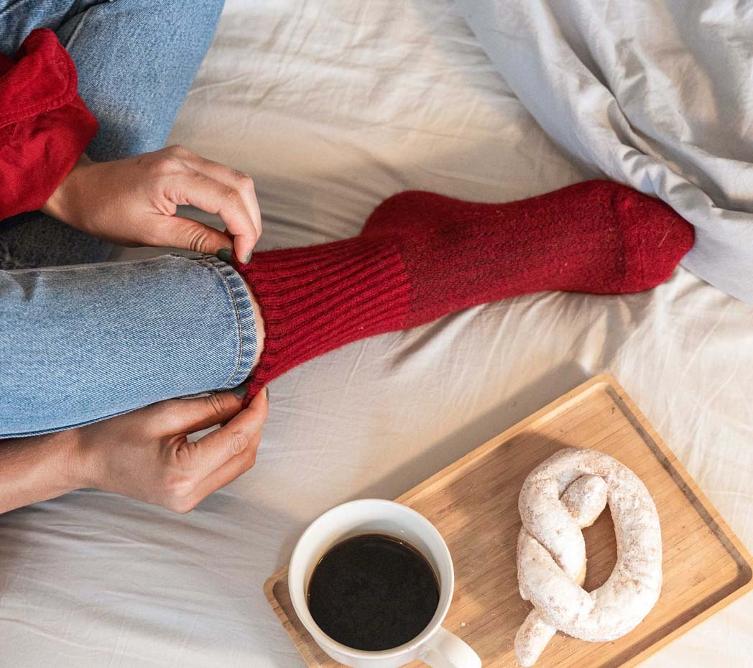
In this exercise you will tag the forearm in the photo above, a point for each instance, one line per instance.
(38, 468)
(60, 204)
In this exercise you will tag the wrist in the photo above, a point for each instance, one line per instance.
(85, 461)
(61, 203)
(38, 468)
(71, 463)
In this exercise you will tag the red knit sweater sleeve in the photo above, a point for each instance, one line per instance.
(44, 124)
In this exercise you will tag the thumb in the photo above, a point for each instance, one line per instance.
(193, 235)
(196, 413)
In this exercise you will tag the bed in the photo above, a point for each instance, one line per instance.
(332, 106)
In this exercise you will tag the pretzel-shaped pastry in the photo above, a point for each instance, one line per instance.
(559, 498)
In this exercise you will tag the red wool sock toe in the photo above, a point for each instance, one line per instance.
(421, 256)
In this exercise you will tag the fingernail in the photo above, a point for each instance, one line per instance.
(266, 390)
(240, 391)
(247, 258)
(225, 254)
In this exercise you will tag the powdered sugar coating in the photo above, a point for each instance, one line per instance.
(558, 499)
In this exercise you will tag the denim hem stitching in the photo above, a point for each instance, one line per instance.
(240, 299)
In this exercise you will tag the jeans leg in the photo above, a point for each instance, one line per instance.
(33, 239)
(19, 17)
(80, 344)
(136, 60)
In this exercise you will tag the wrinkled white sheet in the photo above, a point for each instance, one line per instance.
(658, 95)
(334, 105)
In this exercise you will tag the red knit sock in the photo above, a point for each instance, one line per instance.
(421, 256)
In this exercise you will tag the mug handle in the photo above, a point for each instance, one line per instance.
(446, 650)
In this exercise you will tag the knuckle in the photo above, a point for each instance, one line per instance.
(165, 165)
(231, 195)
(199, 179)
(177, 486)
(262, 410)
(253, 450)
(198, 239)
(237, 442)
(180, 505)
(177, 150)
(216, 404)
(246, 181)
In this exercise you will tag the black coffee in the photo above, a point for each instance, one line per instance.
(373, 592)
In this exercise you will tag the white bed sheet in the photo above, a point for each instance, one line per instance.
(334, 105)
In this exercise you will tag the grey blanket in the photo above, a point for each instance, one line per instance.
(657, 95)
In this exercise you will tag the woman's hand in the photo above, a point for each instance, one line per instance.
(144, 454)
(133, 202)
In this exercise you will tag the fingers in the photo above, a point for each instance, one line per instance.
(230, 177)
(186, 471)
(213, 196)
(233, 467)
(184, 416)
(235, 438)
(216, 189)
(193, 235)
(225, 474)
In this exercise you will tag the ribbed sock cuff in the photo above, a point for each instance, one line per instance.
(319, 298)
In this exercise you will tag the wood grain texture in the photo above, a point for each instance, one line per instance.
(473, 503)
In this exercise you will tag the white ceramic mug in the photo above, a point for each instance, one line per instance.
(434, 645)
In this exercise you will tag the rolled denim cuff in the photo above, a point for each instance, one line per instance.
(240, 301)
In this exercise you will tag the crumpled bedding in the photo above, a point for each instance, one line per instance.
(656, 95)
(334, 105)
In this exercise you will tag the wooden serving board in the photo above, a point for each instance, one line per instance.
(473, 503)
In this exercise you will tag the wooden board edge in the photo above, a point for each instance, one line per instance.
(721, 530)
(484, 448)
(298, 640)
(688, 483)
(269, 587)
(681, 630)
(282, 615)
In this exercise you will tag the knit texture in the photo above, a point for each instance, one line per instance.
(422, 255)
(319, 298)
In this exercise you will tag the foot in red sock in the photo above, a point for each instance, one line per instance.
(421, 256)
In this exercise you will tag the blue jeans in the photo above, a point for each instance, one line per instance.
(85, 342)
(136, 60)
